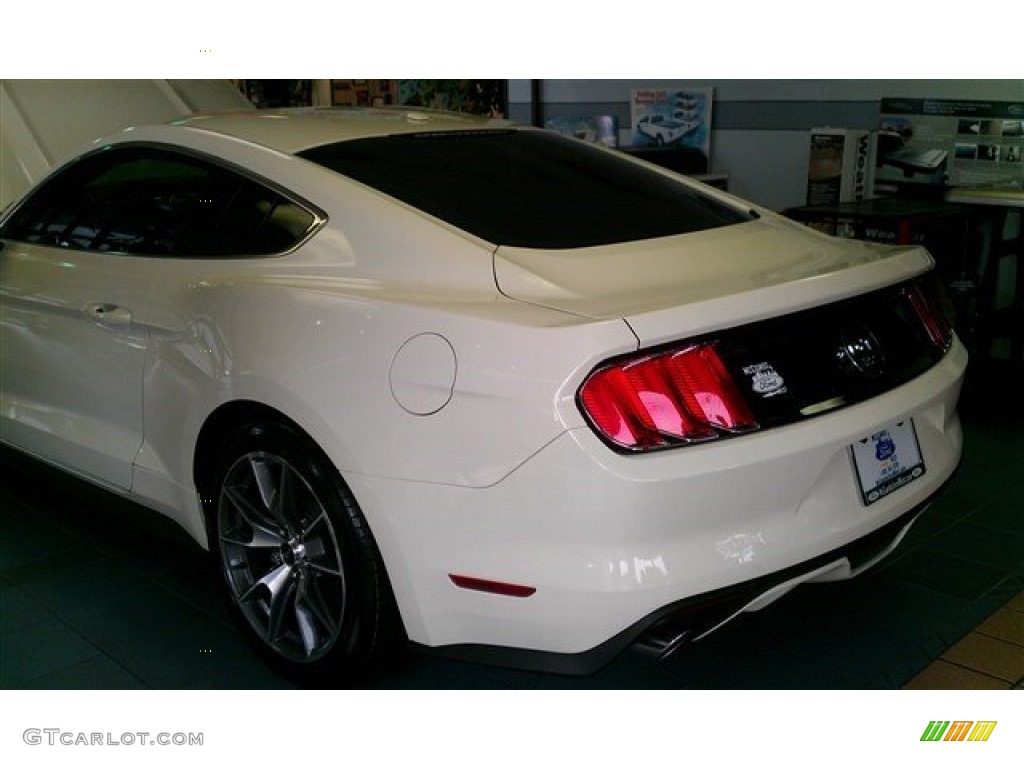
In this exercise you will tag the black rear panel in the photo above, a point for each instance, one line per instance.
(811, 362)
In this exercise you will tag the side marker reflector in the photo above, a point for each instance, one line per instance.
(494, 587)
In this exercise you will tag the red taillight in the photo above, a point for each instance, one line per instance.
(678, 396)
(933, 319)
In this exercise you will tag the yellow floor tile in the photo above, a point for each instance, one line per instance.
(1017, 603)
(1005, 624)
(988, 655)
(945, 676)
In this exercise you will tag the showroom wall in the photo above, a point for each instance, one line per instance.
(760, 127)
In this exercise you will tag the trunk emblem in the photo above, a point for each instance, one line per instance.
(860, 352)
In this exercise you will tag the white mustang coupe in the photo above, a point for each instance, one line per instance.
(428, 377)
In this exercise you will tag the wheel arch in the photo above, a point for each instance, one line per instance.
(213, 435)
(237, 423)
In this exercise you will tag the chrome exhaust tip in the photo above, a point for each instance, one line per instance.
(663, 642)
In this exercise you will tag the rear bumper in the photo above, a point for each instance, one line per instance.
(662, 632)
(615, 545)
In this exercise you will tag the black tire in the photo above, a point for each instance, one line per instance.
(301, 568)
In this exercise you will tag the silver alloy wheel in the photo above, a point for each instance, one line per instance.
(280, 554)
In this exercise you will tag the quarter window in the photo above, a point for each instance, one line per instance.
(156, 202)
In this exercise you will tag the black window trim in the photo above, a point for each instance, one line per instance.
(319, 217)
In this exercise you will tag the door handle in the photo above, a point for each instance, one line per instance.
(109, 314)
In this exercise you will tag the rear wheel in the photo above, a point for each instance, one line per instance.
(298, 558)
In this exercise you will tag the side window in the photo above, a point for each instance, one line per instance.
(148, 201)
(257, 220)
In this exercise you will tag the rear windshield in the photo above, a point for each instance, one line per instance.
(530, 189)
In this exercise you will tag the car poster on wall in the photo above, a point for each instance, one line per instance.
(672, 118)
(949, 142)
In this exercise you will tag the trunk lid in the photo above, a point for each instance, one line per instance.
(691, 284)
(804, 323)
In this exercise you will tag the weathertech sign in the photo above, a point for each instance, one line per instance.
(958, 730)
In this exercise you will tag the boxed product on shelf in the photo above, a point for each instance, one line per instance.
(841, 168)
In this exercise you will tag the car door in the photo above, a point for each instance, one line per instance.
(79, 259)
(87, 284)
(72, 358)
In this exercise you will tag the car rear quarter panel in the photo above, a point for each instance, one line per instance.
(314, 335)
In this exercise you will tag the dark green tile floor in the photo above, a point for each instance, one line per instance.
(96, 594)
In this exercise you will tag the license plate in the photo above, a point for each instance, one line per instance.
(887, 461)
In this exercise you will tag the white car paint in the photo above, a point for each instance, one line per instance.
(748, 264)
(73, 357)
(484, 464)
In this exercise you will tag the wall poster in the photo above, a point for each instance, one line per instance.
(672, 118)
(949, 142)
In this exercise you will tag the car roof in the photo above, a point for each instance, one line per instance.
(293, 130)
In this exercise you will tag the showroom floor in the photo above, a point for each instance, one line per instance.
(90, 598)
